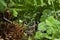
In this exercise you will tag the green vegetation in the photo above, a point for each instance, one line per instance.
(44, 14)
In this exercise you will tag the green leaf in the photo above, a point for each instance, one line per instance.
(3, 5)
(42, 3)
(49, 2)
(15, 13)
(35, 2)
(38, 35)
(2, 2)
(41, 26)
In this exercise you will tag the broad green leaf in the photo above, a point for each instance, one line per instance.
(50, 21)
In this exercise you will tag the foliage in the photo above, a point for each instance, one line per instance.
(51, 26)
(46, 14)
